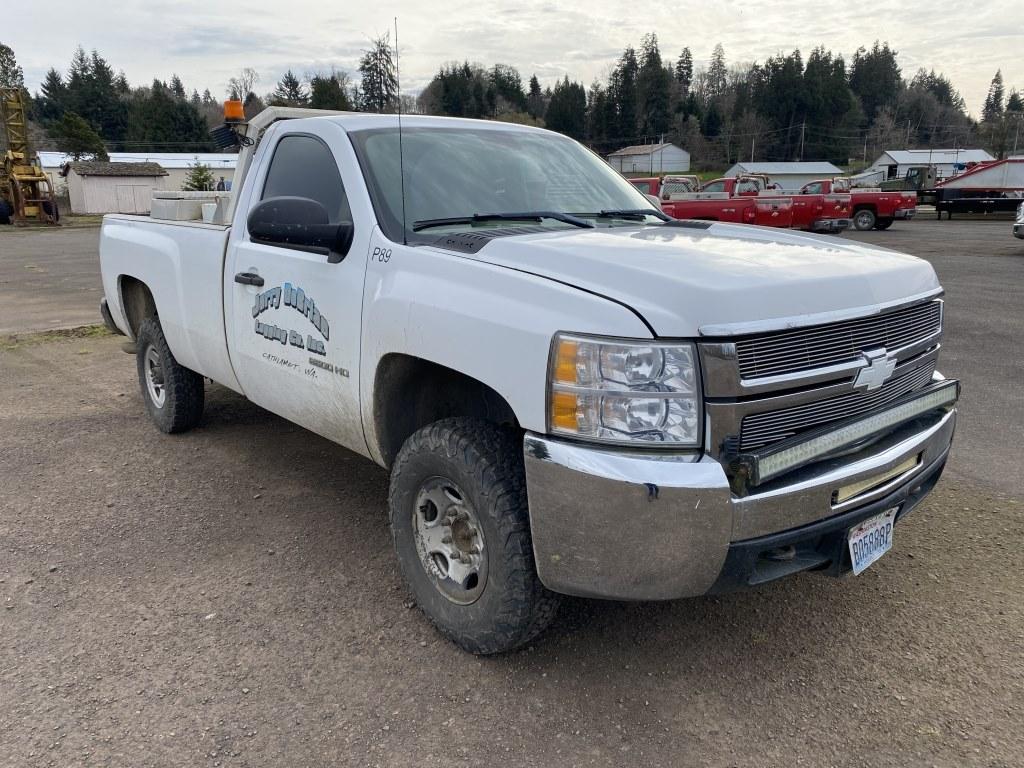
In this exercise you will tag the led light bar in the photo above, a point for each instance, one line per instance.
(789, 454)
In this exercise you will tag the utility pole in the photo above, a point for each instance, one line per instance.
(752, 138)
(802, 127)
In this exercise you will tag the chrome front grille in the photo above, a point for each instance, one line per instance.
(805, 349)
(760, 429)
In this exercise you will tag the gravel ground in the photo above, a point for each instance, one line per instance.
(49, 278)
(195, 601)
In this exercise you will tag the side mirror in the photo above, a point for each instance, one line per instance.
(300, 223)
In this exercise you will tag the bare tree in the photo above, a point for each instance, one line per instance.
(240, 87)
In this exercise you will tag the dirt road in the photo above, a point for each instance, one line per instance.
(229, 598)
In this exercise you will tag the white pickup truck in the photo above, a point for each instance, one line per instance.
(573, 394)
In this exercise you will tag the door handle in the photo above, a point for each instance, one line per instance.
(249, 278)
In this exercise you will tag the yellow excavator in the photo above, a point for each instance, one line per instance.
(26, 195)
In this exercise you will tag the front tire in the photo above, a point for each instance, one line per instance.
(172, 393)
(460, 524)
(864, 220)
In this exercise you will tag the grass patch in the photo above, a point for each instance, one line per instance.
(18, 340)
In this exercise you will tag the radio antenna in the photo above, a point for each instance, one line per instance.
(401, 154)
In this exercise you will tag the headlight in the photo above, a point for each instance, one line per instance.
(617, 391)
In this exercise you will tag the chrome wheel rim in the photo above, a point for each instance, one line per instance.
(449, 540)
(154, 370)
(862, 220)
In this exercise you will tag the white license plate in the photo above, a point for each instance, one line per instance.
(871, 539)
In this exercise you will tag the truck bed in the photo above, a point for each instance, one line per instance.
(183, 264)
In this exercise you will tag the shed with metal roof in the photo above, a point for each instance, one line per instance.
(650, 159)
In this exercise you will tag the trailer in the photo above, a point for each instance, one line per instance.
(996, 187)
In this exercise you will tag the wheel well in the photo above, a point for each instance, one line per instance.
(410, 393)
(137, 301)
(864, 206)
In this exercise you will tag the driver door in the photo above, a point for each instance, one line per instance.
(293, 318)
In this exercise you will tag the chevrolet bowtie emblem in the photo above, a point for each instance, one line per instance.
(879, 368)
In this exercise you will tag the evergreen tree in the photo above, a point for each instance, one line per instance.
(177, 87)
(1014, 104)
(50, 101)
(535, 98)
(684, 72)
(653, 90)
(508, 89)
(379, 73)
(622, 92)
(875, 78)
(289, 92)
(992, 111)
(567, 109)
(717, 72)
(11, 74)
(199, 179)
(329, 91)
(75, 137)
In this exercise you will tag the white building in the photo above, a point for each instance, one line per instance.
(895, 163)
(95, 187)
(788, 175)
(176, 164)
(650, 159)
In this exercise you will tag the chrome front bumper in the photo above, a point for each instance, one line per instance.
(1018, 230)
(644, 526)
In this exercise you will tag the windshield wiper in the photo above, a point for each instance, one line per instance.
(522, 216)
(634, 214)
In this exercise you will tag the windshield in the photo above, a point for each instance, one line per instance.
(457, 172)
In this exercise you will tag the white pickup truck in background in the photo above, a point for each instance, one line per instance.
(572, 394)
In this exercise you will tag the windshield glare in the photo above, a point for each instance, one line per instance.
(453, 172)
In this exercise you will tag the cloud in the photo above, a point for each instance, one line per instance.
(206, 43)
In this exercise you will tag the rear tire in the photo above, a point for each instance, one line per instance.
(460, 525)
(172, 393)
(883, 223)
(864, 220)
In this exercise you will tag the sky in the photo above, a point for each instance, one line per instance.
(206, 43)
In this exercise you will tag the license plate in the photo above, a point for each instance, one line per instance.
(871, 539)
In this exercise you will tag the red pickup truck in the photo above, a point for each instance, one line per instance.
(681, 198)
(812, 211)
(872, 208)
(740, 210)
(772, 209)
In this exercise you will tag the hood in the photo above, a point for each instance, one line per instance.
(681, 279)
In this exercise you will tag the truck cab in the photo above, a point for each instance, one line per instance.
(572, 393)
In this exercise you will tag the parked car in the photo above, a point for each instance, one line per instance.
(572, 392)
(1018, 225)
